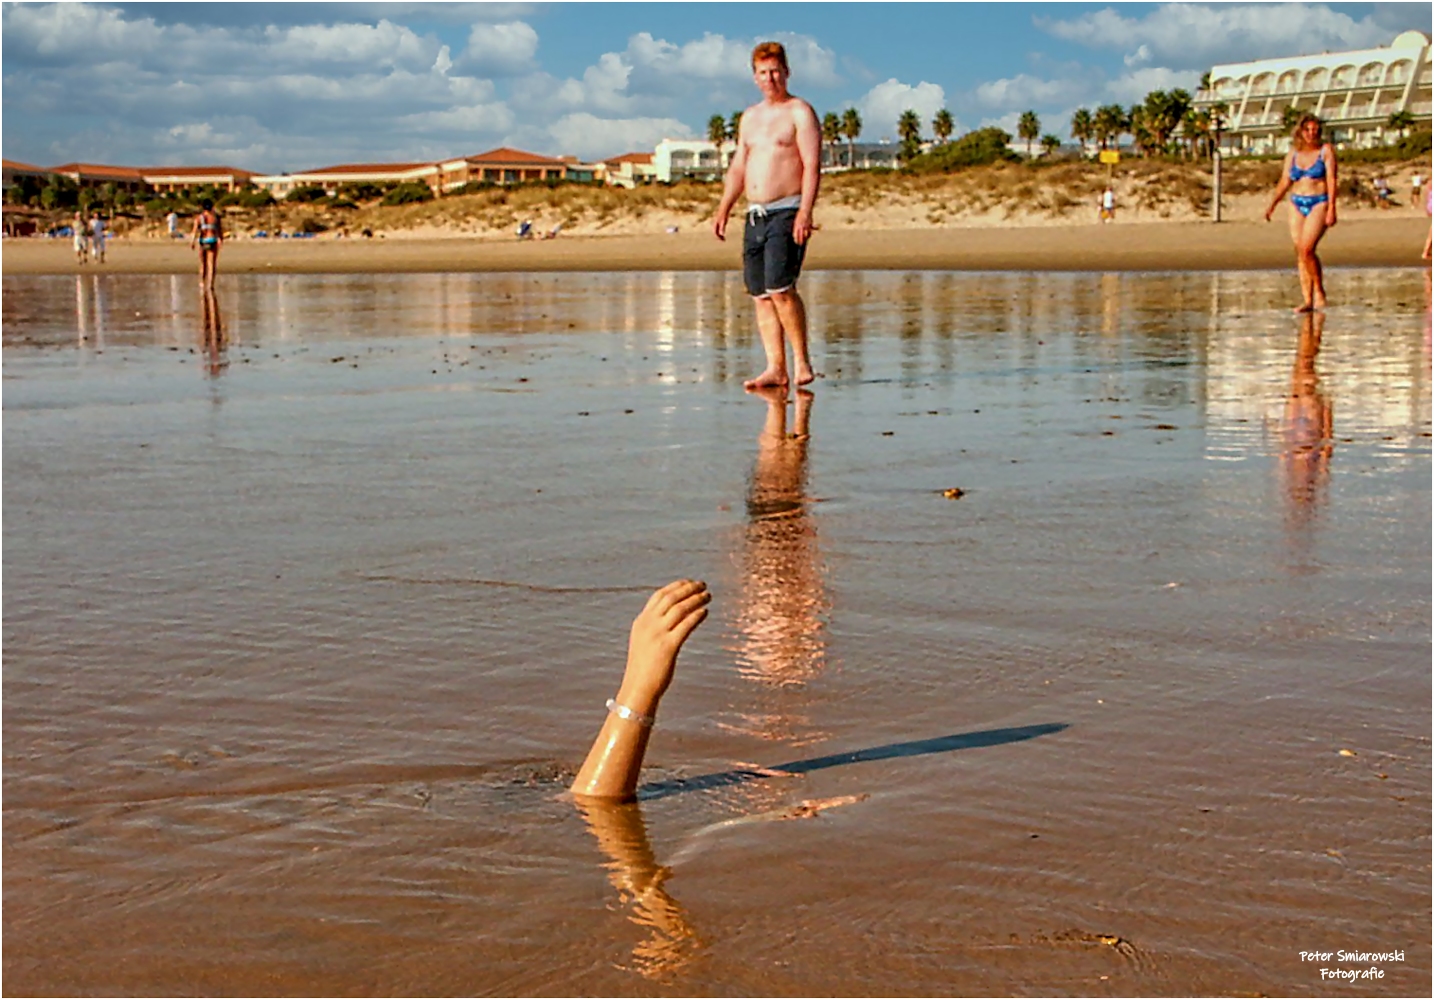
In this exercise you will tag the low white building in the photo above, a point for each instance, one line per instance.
(1354, 93)
(674, 159)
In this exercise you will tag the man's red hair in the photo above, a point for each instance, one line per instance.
(771, 50)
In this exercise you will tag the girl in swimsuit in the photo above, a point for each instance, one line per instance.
(209, 235)
(1309, 175)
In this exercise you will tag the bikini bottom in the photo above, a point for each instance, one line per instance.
(1305, 203)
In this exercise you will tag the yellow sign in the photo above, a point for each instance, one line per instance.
(1110, 156)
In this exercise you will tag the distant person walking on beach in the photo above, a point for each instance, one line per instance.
(209, 236)
(1107, 205)
(82, 240)
(97, 236)
(172, 221)
(1309, 173)
(778, 166)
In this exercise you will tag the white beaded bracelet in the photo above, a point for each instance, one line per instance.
(623, 712)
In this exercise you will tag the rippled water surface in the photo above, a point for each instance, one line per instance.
(314, 593)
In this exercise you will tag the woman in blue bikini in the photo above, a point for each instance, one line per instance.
(208, 235)
(1309, 174)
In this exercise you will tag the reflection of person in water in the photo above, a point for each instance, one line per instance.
(782, 595)
(1308, 430)
(214, 339)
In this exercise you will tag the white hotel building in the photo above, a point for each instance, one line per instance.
(1353, 92)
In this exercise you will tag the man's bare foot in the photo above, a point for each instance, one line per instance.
(1304, 307)
(805, 375)
(1320, 303)
(769, 378)
(771, 393)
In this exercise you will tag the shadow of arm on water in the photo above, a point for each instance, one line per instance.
(911, 748)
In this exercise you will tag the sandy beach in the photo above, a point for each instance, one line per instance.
(1154, 246)
(314, 596)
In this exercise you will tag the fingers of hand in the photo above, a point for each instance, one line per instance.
(684, 628)
(691, 604)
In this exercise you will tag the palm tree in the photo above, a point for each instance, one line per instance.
(717, 133)
(1195, 128)
(1028, 129)
(1082, 127)
(831, 130)
(1050, 143)
(1290, 117)
(734, 126)
(1138, 125)
(943, 125)
(851, 128)
(1110, 122)
(908, 126)
(1402, 122)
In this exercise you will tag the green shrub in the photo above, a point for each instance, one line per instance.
(308, 225)
(311, 192)
(408, 193)
(974, 149)
(245, 198)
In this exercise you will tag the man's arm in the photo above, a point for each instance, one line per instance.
(733, 185)
(658, 632)
(809, 147)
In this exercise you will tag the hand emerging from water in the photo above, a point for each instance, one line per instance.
(657, 635)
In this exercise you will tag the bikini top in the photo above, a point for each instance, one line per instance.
(206, 226)
(1315, 171)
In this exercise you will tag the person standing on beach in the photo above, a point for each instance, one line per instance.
(82, 240)
(209, 235)
(1313, 185)
(1107, 205)
(97, 236)
(778, 166)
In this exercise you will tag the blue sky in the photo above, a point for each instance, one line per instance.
(275, 86)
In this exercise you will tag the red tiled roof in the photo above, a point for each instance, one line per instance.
(98, 170)
(506, 155)
(24, 167)
(368, 168)
(631, 158)
(196, 171)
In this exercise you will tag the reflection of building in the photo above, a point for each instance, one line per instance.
(1354, 92)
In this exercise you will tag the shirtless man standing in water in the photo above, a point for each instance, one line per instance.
(778, 167)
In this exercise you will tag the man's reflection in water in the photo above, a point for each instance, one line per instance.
(670, 943)
(782, 601)
(215, 342)
(1308, 438)
(782, 593)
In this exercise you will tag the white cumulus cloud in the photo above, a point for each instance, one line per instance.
(501, 49)
(592, 138)
(882, 106)
(1188, 36)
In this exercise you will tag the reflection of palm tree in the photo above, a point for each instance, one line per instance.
(783, 598)
(639, 880)
(1308, 430)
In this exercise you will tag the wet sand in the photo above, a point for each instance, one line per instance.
(1145, 247)
(313, 600)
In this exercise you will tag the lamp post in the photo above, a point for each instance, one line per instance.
(1217, 125)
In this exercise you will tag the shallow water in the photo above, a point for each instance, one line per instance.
(314, 593)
